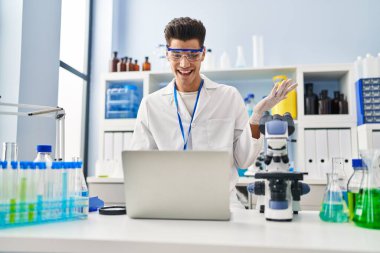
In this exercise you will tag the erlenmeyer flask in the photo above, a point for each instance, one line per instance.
(334, 208)
(338, 167)
(367, 208)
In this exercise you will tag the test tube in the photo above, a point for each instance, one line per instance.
(12, 189)
(22, 191)
(41, 181)
(31, 191)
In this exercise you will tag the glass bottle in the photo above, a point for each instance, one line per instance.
(367, 206)
(334, 208)
(113, 63)
(146, 64)
(123, 65)
(130, 65)
(311, 100)
(323, 103)
(136, 66)
(343, 104)
(335, 103)
(353, 185)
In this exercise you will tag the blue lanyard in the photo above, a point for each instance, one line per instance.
(192, 116)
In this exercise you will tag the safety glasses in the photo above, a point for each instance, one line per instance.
(192, 55)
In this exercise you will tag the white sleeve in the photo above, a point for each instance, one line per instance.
(246, 148)
(142, 138)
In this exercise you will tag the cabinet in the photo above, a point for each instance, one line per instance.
(369, 136)
(259, 80)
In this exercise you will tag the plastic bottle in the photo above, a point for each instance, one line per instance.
(113, 63)
(289, 104)
(44, 154)
(146, 64)
(252, 102)
(358, 67)
(367, 208)
(369, 66)
(248, 106)
(377, 65)
(240, 60)
(225, 61)
(353, 185)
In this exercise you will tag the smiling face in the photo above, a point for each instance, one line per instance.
(186, 72)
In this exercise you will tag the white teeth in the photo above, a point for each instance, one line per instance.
(184, 72)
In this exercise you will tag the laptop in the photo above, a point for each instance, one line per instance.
(177, 184)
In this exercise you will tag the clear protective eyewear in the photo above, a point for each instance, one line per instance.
(192, 55)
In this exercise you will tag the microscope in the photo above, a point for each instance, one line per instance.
(279, 193)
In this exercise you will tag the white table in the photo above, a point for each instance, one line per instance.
(248, 231)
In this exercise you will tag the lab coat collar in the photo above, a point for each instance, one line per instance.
(204, 97)
(208, 84)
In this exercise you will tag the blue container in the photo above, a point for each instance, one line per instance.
(368, 100)
(122, 101)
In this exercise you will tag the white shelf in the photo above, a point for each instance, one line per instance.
(248, 79)
(118, 125)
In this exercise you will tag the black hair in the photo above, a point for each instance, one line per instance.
(184, 29)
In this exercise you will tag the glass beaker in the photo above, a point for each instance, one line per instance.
(367, 208)
(338, 167)
(9, 152)
(334, 208)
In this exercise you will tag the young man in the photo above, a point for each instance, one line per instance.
(194, 113)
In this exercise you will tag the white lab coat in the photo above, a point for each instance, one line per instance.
(220, 123)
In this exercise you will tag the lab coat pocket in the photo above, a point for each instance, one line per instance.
(220, 133)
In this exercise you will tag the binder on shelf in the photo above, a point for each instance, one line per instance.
(310, 154)
(108, 146)
(345, 150)
(127, 139)
(333, 143)
(376, 139)
(322, 153)
(117, 149)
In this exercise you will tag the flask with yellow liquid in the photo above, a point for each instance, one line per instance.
(287, 105)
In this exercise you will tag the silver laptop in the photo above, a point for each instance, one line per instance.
(177, 184)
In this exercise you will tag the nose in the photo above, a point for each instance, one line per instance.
(184, 62)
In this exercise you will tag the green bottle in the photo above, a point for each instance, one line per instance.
(353, 185)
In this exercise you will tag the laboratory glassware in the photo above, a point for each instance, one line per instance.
(146, 64)
(353, 185)
(334, 208)
(367, 208)
(9, 151)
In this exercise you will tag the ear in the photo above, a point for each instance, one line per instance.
(204, 53)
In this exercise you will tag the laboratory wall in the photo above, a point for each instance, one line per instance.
(294, 32)
(29, 69)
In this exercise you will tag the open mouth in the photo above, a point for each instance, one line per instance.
(184, 72)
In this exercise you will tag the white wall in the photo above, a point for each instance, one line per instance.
(295, 31)
(34, 77)
(103, 38)
(10, 55)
